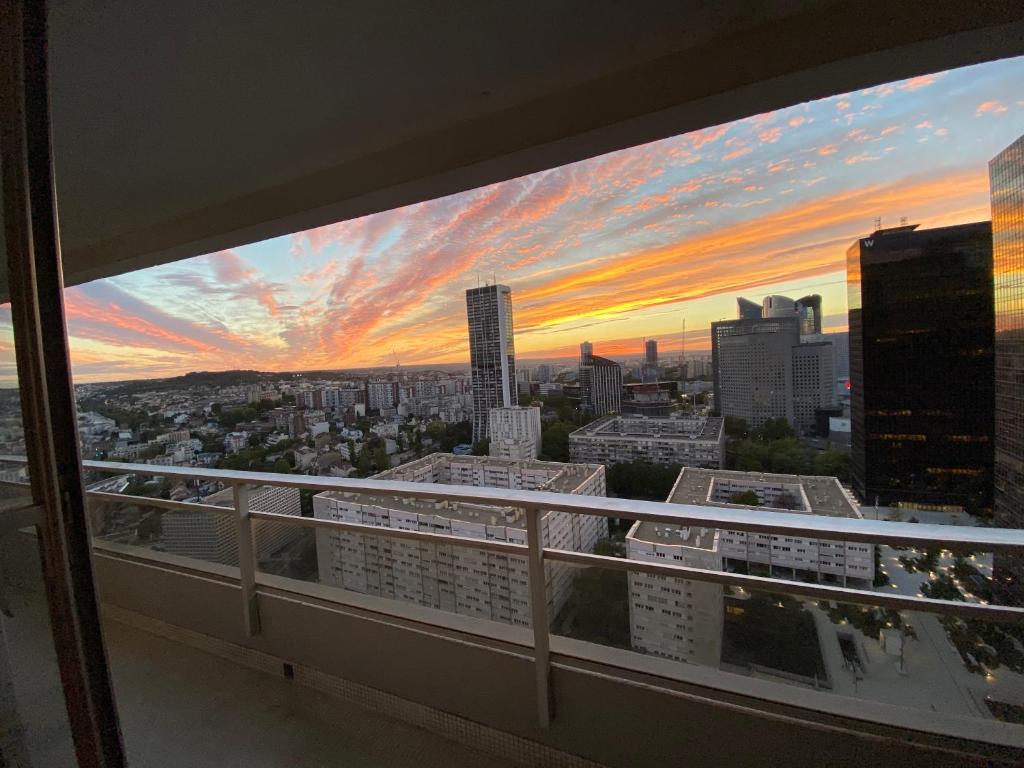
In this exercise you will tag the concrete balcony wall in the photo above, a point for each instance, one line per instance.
(607, 714)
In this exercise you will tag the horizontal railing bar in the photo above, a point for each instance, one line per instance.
(15, 483)
(492, 545)
(169, 504)
(750, 520)
(837, 594)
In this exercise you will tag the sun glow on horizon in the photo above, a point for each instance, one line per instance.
(612, 250)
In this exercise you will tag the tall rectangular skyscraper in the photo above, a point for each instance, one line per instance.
(921, 366)
(600, 383)
(1006, 176)
(649, 369)
(753, 368)
(492, 356)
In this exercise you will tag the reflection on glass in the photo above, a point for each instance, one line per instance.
(1006, 175)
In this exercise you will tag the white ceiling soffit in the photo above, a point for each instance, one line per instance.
(185, 127)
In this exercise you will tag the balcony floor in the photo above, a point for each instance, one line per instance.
(180, 706)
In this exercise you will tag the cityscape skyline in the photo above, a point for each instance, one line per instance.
(615, 249)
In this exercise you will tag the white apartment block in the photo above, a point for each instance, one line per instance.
(462, 580)
(492, 356)
(789, 557)
(681, 619)
(690, 441)
(235, 441)
(381, 394)
(213, 537)
(677, 619)
(515, 432)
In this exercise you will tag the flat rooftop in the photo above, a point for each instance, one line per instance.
(668, 428)
(825, 495)
(675, 535)
(557, 478)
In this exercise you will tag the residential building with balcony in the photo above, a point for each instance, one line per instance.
(789, 557)
(600, 381)
(515, 432)
(492, 352)
(690, 441)
(213, 537)
(463, 580)
(677, 619)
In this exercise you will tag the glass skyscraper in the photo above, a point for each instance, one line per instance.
(492, 355)
(1006, 176)
(921, 366)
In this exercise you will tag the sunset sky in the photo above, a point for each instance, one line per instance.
(612, 249)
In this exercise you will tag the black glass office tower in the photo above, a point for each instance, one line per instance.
(921, 366)
(1006, 177)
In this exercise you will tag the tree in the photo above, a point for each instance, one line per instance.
(833, 463)
(776, 429)
(786, 500)
(610, 548)
(525, 400)
(482, 447)
(567, 413)
(364, 464)
(254, 441)
(282, 466)
(745, 497)
(381, 460)
(735, 427)
(555, 440)
(641, 480)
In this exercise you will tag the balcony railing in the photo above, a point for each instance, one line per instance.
(536, 504)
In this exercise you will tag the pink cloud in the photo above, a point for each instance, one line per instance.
(842, 105)
(995, 107)
(737, 153)
(921, 81)
(861, 158)
(698, 139)
(769, 135)
(828, 149)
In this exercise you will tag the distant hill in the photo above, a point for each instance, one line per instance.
(192, 379)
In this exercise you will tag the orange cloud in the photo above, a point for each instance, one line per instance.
(995, 107)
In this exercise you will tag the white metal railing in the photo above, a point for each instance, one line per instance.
(536, 503)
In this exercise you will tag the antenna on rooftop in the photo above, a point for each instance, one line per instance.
(878, 222)
(903, 221)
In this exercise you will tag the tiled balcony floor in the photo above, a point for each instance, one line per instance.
(180, 706)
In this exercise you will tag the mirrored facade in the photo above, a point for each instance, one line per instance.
(921, 367)
(1006, 175)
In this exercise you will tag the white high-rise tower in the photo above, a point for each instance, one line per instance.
(492, 357)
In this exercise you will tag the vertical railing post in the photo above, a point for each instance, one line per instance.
(539, 616)
(246, 561)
